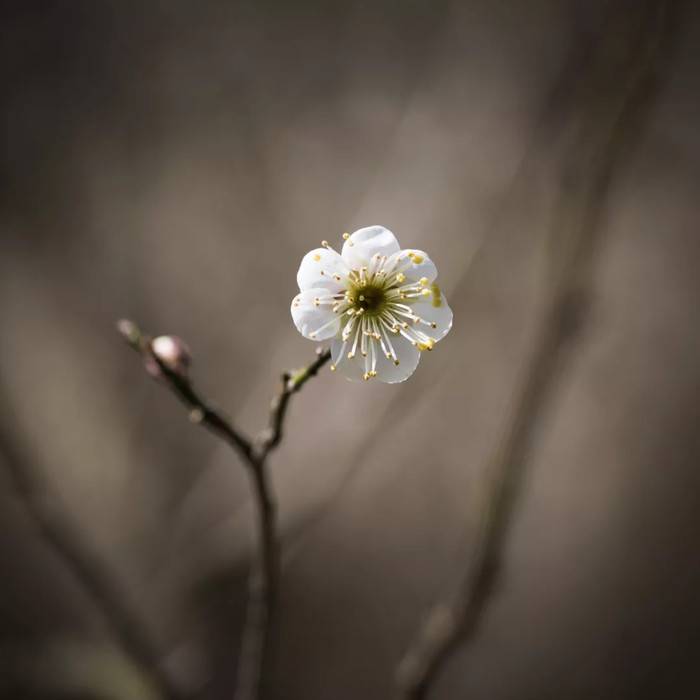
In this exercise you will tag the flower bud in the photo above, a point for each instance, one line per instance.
(172, 352)
(129, 331)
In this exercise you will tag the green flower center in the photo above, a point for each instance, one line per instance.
(370, 298)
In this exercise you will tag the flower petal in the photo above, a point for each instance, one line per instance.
(434, 309)
(366, 242)
(415, 264)
(350, 368)
(321, 260)
(408, 357)
(312, 321)
(355, 368)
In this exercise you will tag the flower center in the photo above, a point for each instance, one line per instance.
(370, 298)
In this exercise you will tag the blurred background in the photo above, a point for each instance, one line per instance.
(171, 162)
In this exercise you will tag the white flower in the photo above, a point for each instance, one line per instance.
(379, 304)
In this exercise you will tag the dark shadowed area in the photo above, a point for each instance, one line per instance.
(171, 162)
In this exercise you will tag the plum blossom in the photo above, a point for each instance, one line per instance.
(380, 305)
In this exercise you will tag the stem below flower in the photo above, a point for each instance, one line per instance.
(264, 579)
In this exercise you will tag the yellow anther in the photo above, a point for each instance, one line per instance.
(426, 292)
(417, 259)
(401, 277)
(332, 368)
(325, 244)
(396, 362)
(346, 236)
(317, 257)
(424, 281)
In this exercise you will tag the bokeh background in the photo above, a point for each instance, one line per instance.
(171, 162)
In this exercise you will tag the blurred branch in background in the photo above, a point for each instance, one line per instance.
(92, 572)
(614, 91)
(167, 358)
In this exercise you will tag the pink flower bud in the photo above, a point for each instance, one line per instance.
(172, 352)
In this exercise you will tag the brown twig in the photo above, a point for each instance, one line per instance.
(271, 437)
(88, 567)
(595, 151)
(264, 579)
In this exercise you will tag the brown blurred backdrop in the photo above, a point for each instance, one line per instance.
(172, 162)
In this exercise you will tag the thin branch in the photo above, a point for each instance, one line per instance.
(93, 574)
(264, 580)
(200, 410)
(453, 625)
(271, 437)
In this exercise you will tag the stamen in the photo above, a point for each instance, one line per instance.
(322, 328)
(392, 353)
(351, 354)
(412, 316)
(341, 355)
(380, 338)
(418, 338)
(363, 341)
(348, 328)
(378, 268)
(413, 341)
(390, 322)
(329, 300)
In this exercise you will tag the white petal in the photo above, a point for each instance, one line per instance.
(318, 260)
(354, 368)
(366, 242)
(434, 309)
(408, 357)
(314, 322)
(414, 263)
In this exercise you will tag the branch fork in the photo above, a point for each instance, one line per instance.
(167, 359)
